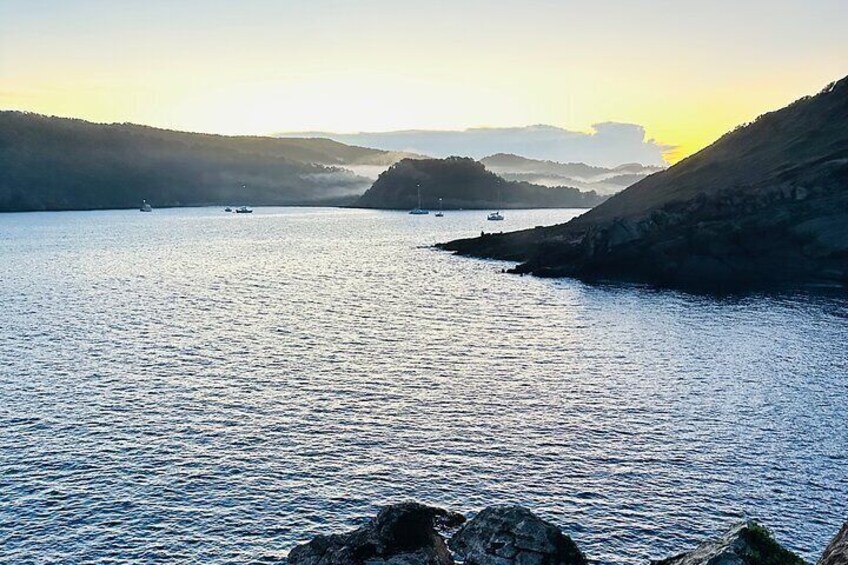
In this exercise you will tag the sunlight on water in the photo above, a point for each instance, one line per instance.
(191, 385)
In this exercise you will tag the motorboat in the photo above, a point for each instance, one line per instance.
(145, 207)
(243, 210)
(228, 209)
(496, 216)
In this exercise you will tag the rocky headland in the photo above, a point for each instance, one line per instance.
(765, 205)
(411, 533)
(461, 182)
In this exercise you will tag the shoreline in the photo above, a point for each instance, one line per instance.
(412, 533)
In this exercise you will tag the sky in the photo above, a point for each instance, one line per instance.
(685, 71)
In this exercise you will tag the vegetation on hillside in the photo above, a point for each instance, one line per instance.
(464, 183)
(49, 163)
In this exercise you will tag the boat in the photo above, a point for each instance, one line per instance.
(228, 209)
(145, 207)
(496, 216)
(440, 213)
(243, 210)
(419, 211)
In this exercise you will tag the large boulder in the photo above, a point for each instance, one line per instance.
(837, 551)
(747, 543)
(401, 534)
(512, 535)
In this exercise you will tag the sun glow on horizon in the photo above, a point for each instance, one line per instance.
(329, 66)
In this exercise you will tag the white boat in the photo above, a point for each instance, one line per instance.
(496, 216)
(418, 211)
(440, 213)
(145, 207)
(243, 210)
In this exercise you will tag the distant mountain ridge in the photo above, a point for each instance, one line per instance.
(766, 204)
(608, 145)
(603, 180)
(49, 163)
(462, 182)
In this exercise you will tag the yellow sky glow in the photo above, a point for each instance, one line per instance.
(281, 66)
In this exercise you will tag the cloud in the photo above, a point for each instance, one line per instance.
(608, 144)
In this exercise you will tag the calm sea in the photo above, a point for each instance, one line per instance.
(200, 387)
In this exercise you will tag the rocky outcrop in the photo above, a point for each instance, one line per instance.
(747, 543)
(837, 551)
(401, 534)
(507, 535)
(411, 533)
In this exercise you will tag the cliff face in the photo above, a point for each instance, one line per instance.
(767, 204)
(463, 183)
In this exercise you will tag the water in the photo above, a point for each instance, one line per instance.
(199, 387)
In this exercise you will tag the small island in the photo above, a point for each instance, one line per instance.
(462, 182)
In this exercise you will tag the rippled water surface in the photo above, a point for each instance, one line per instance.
(195, 386)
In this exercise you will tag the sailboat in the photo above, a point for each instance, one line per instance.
(419, 210)
(440, 213)
(496, 216)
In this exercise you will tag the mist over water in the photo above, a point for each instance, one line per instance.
(190, 385)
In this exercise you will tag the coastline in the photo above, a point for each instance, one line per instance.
(412, 533)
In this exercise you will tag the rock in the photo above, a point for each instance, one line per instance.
(401, 534)
(747, 543)
(506, 535)
(837, 550)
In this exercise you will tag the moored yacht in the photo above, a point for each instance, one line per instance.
(418, 211)
(440, 213)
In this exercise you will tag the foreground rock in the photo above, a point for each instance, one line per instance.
(837, 551)
(764, 206)
(745, 544)
(401, 534)
(506, 535)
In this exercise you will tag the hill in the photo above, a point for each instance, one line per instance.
(767, 204)
(603, 180)
(462, 182)
(49, 163)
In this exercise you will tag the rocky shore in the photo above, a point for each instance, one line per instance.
(411, 533)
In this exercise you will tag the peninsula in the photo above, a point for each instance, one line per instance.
(765, 205)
